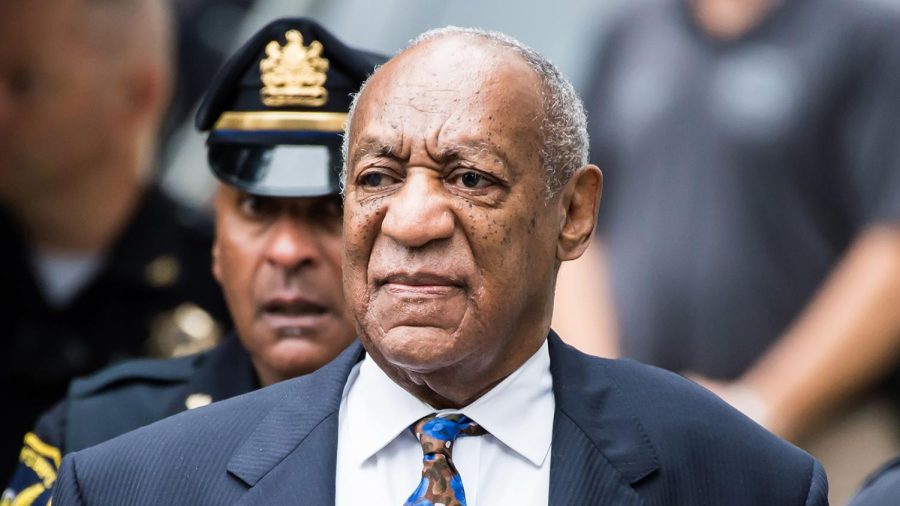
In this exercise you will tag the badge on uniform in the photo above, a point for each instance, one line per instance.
(182, 331)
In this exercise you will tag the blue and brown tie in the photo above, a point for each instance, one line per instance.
(441, 483)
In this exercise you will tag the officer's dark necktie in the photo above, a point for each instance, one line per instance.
(441, 483)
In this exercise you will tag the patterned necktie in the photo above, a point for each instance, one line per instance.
(441, 483)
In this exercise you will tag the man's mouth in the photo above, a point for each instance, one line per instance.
(294, 316)
(421, 284)
(293, 307)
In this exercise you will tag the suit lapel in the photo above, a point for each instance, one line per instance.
(599, 447)
(291, 456)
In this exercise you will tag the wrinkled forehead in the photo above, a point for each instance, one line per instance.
(459, 83)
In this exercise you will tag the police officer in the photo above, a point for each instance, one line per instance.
(97, 263)
(274, 116)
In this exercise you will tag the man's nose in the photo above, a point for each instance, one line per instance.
(419, 213)
(293, 244)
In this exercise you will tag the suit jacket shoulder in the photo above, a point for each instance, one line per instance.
(674, 441)
(211, 455)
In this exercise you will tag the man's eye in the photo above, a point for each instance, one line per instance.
(472, 179)
(375, 179)
(253, 206)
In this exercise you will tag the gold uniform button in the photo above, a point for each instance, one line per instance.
(163, 271)
(197, 400)
(182, 331)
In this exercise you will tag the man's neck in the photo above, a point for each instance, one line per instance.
(85, 217)
(730, 19)
(456, 386)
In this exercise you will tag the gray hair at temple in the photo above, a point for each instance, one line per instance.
(563, 127)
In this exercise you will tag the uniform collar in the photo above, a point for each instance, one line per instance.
(223, 372)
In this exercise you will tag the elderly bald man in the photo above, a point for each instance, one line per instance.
(466, 186)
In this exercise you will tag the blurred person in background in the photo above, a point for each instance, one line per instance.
(750, 238)
(97, 263)
(277, 256)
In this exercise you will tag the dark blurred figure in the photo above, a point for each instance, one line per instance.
(750, 226)
(97, 264)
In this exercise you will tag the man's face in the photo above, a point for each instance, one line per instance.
(53, 98)
(279, 263)
(449, 241)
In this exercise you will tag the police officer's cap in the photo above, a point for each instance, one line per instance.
(276, 110)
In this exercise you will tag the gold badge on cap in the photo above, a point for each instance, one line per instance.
(162, 272)
(293, 74)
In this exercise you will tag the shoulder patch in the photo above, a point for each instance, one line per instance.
(43, 449)
(140, 370)
(34, 475)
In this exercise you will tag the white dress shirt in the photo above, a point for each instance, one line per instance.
(379, 461)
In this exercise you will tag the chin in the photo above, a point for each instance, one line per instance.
(296, 364)
(419, 349)
(313, 348)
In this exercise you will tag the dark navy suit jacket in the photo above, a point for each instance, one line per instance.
(623, 434)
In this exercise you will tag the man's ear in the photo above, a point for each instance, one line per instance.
(144, 93)
(580, 201)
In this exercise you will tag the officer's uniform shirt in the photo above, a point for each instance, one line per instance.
(153, 294)
(122, 398)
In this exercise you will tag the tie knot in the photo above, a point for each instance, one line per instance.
(436, 434)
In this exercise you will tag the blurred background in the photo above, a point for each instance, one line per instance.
(802, 97)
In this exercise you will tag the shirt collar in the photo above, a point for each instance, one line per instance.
(518, 411)
(378, 410)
